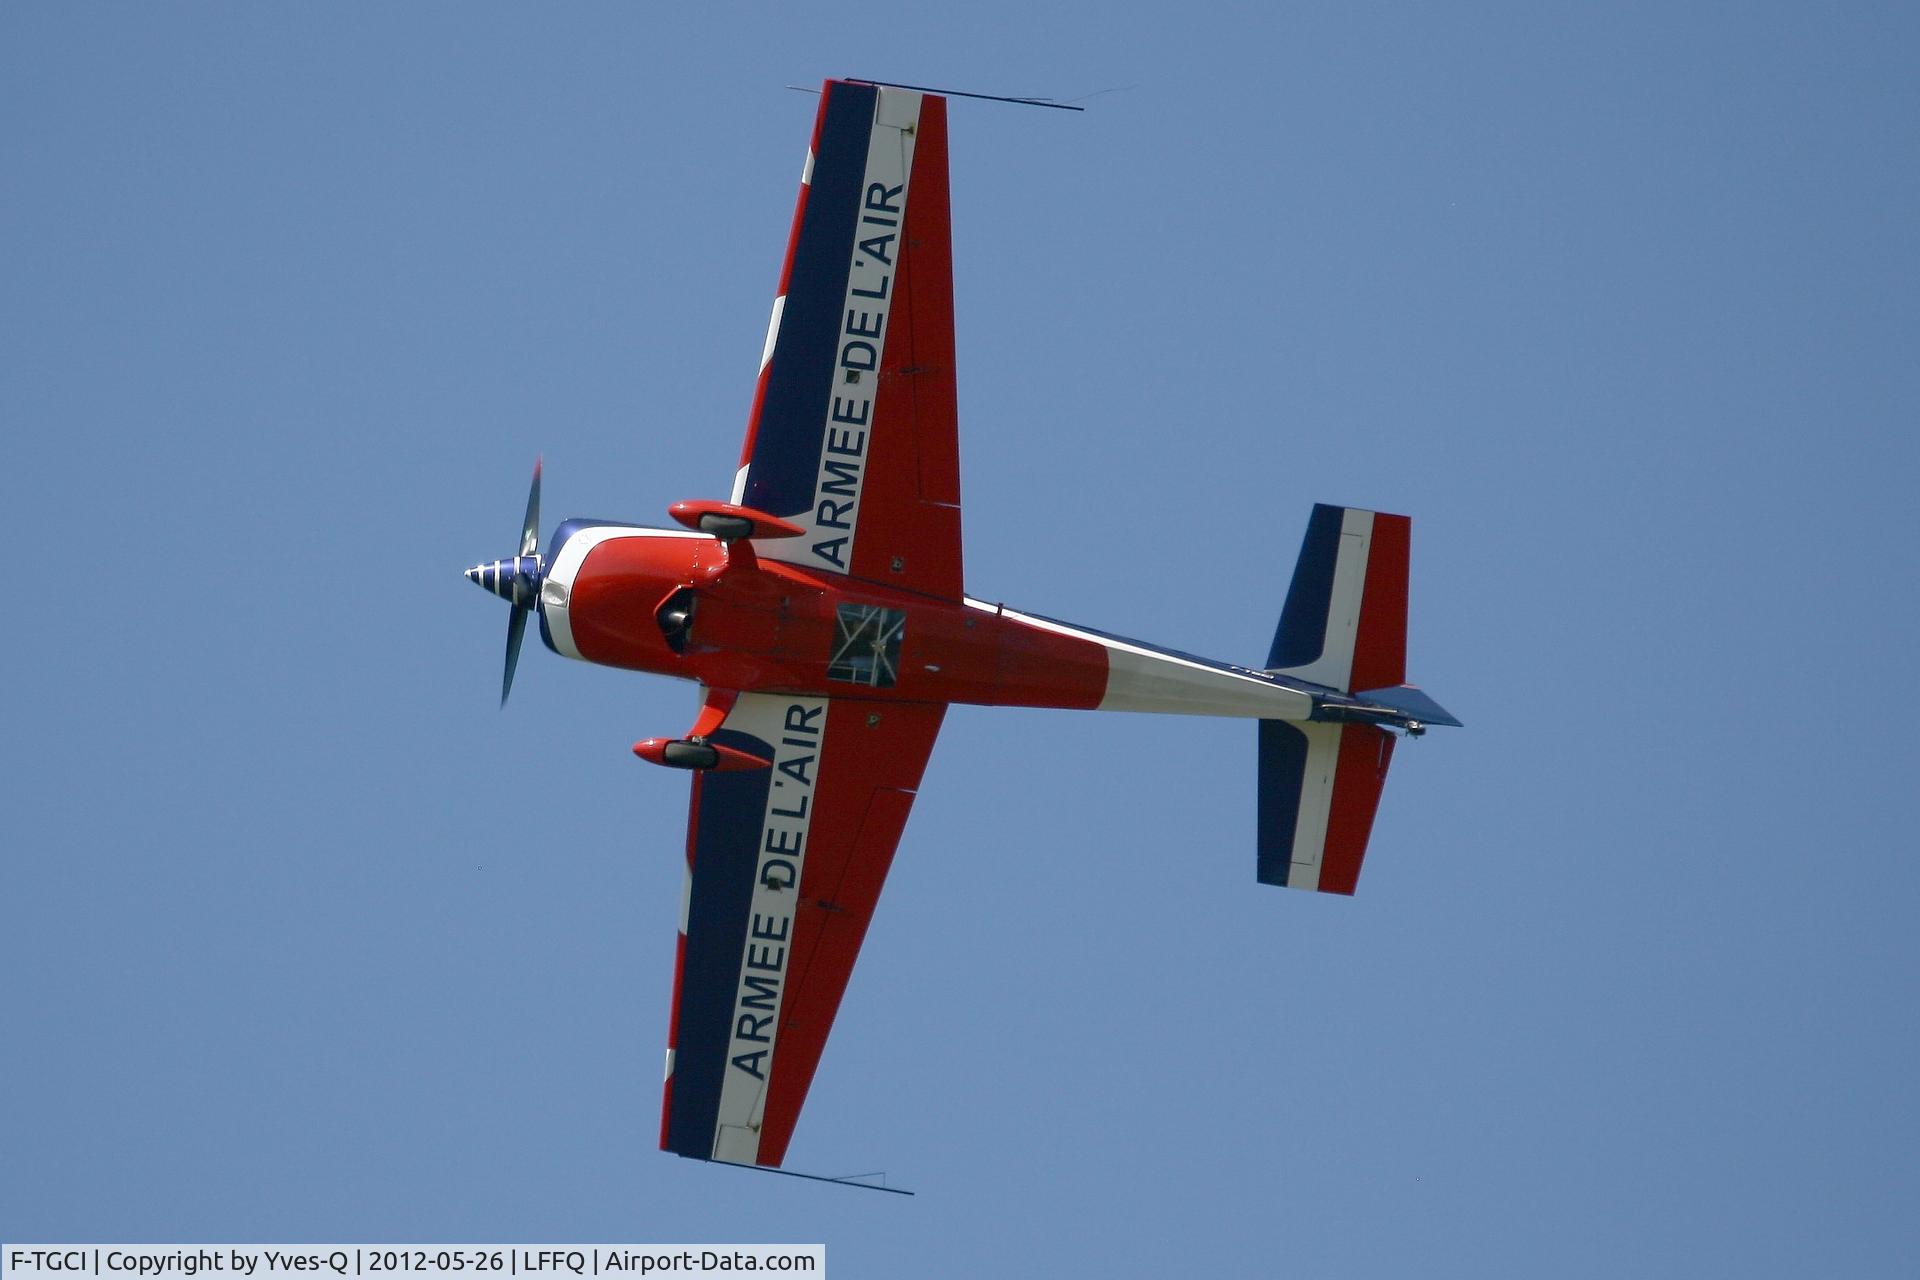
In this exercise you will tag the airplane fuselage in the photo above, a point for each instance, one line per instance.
(682, 603)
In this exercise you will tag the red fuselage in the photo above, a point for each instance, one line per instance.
(753, 623)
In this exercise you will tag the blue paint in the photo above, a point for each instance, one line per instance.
(567, 528)
(729, 810)
(1411, 702)
(792, 427)
(1302, 633)
(1283, 772)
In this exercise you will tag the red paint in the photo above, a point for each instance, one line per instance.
(1380, 639)
(764, 624)
(1365, 753)
(909, 532)
(786, 275)
(713, 712)
(673, 1033)
(753, 414)
(654, 751)
(764, 525)
(871, 766)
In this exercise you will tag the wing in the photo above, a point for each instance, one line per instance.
(853, 433)
(784, 866)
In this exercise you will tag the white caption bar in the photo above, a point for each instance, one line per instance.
(469, 1261)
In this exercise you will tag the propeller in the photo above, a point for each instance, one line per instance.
(530, 527)
(517, 581)
(516, 631)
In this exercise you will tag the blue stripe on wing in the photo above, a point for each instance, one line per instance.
(790, 434)
(730, 810)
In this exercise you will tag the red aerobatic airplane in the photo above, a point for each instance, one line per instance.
(822, 611)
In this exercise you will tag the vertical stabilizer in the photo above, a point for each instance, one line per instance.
(1345, 621)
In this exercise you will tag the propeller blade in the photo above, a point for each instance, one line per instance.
(530, 527)
(516, 629)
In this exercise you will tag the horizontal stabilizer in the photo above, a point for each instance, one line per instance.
(1319, 789)
(1409, 700)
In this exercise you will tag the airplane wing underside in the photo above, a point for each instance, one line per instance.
(853, 433)
(784, 867)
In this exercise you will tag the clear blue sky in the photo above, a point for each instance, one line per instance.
(302, 939)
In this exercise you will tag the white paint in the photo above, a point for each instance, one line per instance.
(773, 329)
(1334, 666)
(743, 1098)
(686, 897)
(737, 1144)
(1140, 680)
(1144, 679)
(1316, 805)
(556, 592)
(889, 164)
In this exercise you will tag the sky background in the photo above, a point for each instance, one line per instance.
(302, 938)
